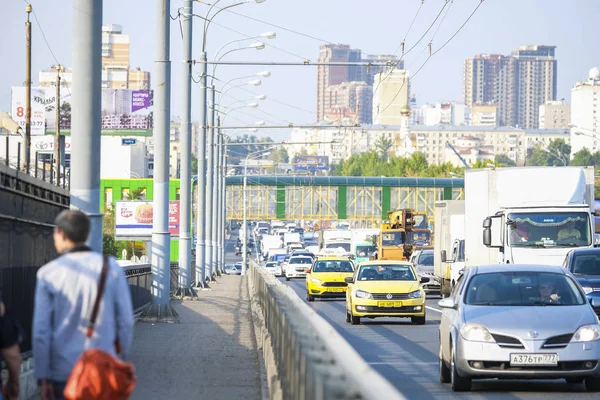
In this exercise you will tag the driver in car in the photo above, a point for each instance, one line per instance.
(569, 232)
(546, 293)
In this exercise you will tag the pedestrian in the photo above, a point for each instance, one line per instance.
(11, 336)
(65, 293)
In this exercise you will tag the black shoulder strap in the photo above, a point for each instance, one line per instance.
(101, 285)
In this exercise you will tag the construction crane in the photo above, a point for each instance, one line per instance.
(458, 155)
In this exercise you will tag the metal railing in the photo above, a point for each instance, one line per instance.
(139, 277)
(314, 362)
(39, 168)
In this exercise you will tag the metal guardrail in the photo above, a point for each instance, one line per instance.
(314, 362)
(139, 277)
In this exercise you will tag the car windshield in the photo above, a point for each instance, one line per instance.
(523, 289)
(392, 239)
(426, 258)
(333, 266)
(386, 272)
(300, 260)
(420, 237)
(365, 251)
(344, 246)
(586, 264)
(271, 265)
(549, 229)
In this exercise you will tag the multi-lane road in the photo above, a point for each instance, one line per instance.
(407, 355)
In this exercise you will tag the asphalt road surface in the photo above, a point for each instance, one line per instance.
(407, 355)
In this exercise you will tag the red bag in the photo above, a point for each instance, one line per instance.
(98, 375)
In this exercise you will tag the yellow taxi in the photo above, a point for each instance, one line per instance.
(326, 277)
(385, 288)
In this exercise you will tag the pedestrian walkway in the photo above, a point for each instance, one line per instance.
(210, 354)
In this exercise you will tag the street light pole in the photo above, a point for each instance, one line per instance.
(245, 223)
(201, 209)
(87, 118)
(27, 147)
(214, 178)
(210, 144)
(185, 236)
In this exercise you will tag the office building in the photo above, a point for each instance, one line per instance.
(585, 113)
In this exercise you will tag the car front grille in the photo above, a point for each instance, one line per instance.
(562, 366)
(395, 296)
(507, 341)
(558, 342)
(334, 284)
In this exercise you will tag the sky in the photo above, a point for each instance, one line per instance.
(375, 27)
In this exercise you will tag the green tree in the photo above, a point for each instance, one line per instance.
(559, 152)
(383, 145)
(279, 155)
(109, 246)
(504, 160)
(583, 158)
(538, 157)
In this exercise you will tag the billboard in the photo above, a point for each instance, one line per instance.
(134, 219)
(122, 109)
(311, 163)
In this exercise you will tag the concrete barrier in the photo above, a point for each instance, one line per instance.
(312, 360)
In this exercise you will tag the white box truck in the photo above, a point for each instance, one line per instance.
(528, 215)
(449, 239)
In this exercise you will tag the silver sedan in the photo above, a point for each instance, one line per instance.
(518, 322)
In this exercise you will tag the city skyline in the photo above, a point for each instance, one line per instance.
(440, 79)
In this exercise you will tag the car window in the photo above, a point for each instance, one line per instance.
(523, 289)
(586, 264)
(426, 258)
(386, 272)
(300, 260)
(457, 286)
(333, 266)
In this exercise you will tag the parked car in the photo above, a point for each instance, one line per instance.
(518, 322)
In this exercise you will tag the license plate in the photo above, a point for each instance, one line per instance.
(534, 359)
(337, 290)
(389, 304)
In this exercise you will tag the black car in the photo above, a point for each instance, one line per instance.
(584, 263)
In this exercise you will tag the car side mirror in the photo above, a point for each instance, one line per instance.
(307, 271)
(594, 302)
(425, 279)
(448, 302)
(443, 255)
(349, 279)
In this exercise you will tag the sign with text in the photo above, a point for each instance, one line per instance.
(135, 219)
(122, 109)
(311, 163)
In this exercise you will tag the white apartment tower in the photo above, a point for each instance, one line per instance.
(585, 113)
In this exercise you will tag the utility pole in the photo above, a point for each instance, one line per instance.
(210, 144)
(57, 134)
(86, 115)
(185, 239)
(214, 176)
(223, 196)
(201, 211)
(217, 204)
(161, 238)
(27, 146)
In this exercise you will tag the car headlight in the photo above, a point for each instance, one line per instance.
(587, 333)
(476, 333)
(315, 280)
(415, 295)
(587, 289)
(361, 294)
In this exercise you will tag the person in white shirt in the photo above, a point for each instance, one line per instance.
(65, 292)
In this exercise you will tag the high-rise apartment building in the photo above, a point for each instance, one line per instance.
(333, 75)
(585, 113)
(390, 96)
(116, 72)
(536, 82)
(518, 83)
(349, 101)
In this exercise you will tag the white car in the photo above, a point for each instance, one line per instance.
(297, 266)
(274, 268)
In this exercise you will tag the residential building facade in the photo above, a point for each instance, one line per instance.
(585, 113)
(555, 115)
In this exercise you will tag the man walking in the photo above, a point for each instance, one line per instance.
(65, 292)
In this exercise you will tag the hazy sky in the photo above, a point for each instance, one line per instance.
(376, 27)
